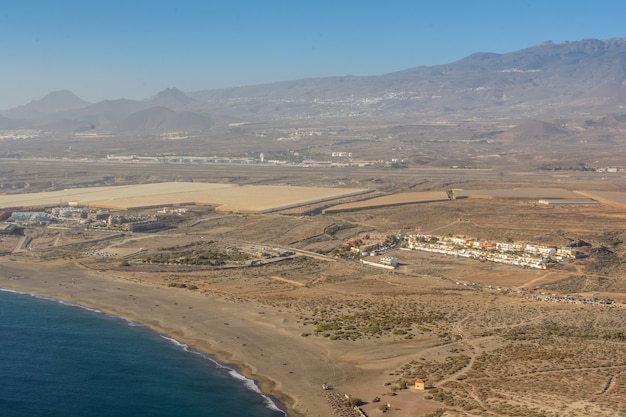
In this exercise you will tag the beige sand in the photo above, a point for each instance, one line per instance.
(391, 200)
(266, 344)
(226, 197)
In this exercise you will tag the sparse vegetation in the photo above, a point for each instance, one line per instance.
(486, 351)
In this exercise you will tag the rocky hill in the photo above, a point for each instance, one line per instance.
(161, 120)
(55, 102)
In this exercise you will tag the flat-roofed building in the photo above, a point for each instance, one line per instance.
(7, 228)
(389, 260)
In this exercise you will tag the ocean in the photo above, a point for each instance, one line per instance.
(59, 359)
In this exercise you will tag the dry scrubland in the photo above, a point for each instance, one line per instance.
(299, 317)
(483, 353)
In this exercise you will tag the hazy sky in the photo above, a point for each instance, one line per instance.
(108, 49)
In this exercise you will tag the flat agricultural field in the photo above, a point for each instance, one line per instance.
(93, 195)
(225, 197)
(526, 192)
(610, 198)
(616, 198)
(391, 200)
(268, 198)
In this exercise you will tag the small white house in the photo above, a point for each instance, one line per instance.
(389, 260)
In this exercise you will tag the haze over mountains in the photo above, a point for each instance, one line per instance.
(546, 80)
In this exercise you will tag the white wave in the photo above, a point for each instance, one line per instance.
(68, 303)
(247, 382)
(128, 321)
(14, 292)
(176, 342)
(252, 386)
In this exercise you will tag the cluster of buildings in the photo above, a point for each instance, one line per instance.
(572, 299)
(7, 228)
(179, 211)
(371, 244)
(534, 295)
(182, 159)
(341, 154)
(56, 216)
(101, 253)
(137, 223)
(30, 218)
(610, 169)
(519, 254)
(68, 217)
(19, 134)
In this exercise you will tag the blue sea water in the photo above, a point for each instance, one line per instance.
(57, 359)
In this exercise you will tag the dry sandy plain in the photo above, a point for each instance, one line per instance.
(312, 318)
(390, 200)
(224, 197)
(611, 198)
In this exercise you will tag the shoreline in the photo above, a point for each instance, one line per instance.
(263, 342)
(233, 336)
(24, 278)
(233, 370)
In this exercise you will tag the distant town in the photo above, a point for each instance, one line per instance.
(524, 255)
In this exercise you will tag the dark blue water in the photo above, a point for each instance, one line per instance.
(62, 360)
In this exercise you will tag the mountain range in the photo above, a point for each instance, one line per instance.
(567, 77)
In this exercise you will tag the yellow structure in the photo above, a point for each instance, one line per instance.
(420, 385)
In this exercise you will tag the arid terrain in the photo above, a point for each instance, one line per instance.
(304, 277)
(487, 339)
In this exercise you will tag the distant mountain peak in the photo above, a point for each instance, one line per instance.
(172, 98)
(565, 75)
(60, 100)
(54, 102)
(59, 94)
(171, 91)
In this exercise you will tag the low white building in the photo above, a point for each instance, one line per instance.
(389, 260)
(545, 251)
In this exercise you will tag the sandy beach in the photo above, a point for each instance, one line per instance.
(264, 343)
(294, 325)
